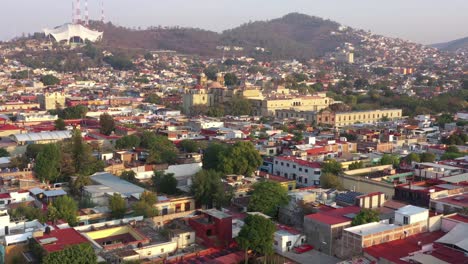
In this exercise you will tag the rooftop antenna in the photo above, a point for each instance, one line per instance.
(73, 11)
(102, 11)
(86, 13)
(78, 12)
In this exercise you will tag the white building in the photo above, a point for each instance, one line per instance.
(68, 32)
(411, 214)
(287, 239)
(305, 173)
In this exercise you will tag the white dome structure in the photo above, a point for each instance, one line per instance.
(71, 31)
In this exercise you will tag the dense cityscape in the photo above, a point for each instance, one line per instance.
(350, 148)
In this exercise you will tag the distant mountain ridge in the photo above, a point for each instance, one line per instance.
(452, 45)
(291, 36)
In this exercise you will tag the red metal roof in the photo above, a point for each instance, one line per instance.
(335, 216)
(65, 238)
(4, 195)
(8, 127)
(409, 245)
(305, 163)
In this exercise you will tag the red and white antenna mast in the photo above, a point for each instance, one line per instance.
(78, 12)
(73, 11)
(102, 11)
(86, 13)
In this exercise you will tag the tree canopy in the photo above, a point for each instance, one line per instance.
(164, 182)
(117, 205)
(59, 124)
(230, 79)
(189, 145)
(267, 196)
(208, 189)
(47, 166)
(365, 216)
(330, 180)
(240, 158)
(74, 254)
(144, 206)
(4, 153)
(67, 209)
(161, 149)
(49, 79)
(107, 124)
(331, 166)
(390, 159)
(257, 235)
(128, 142)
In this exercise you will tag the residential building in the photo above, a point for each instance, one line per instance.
(51, 100)
(340, 119)
(305, 173)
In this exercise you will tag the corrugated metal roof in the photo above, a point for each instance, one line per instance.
(43, 136)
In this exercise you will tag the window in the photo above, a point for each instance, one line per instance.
(187, 237)
(276, 162)
(405, 220)
(300, 169)
(287, 164)
(294, 176)
(306, 170)
(282, 163)
(305, 180)
(294, 166)
(300, 179)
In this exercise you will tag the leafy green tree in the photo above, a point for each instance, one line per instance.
(330, 180)
(189, 145)
(47, 167)
(60, 124)
(257, 235)
(452, 149)
(128, 142)
(148, 197)
(153, 99)
(74, 254)
(52, 214)
(208, 189)
(211, 72)
(427, 157)
(164, 182)
(129, 176)
(444, 119)
(356, 165)
(451, 156)
(4, 153)
(412, 157)
(161, 149)
(213, 154)
(230, 79)
(119, 62)
(389, 159)
(215, 111)
(107, 124)
(77, 185)
(25, 211)
(49, 79)
(81, 155)
(331, 166)
(267, 197)
(365, 216)
(298, 136)
(33, 150)
(74, 112)
(241, 158)
(67, 208)
(239, 106)
(117, 205)
(145, 206)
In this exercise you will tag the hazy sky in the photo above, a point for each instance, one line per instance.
(423, 21)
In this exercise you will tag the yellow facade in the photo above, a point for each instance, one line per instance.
(269, 105)
(49, 101)
(340, 119)
(175, 205)
(114, 231)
